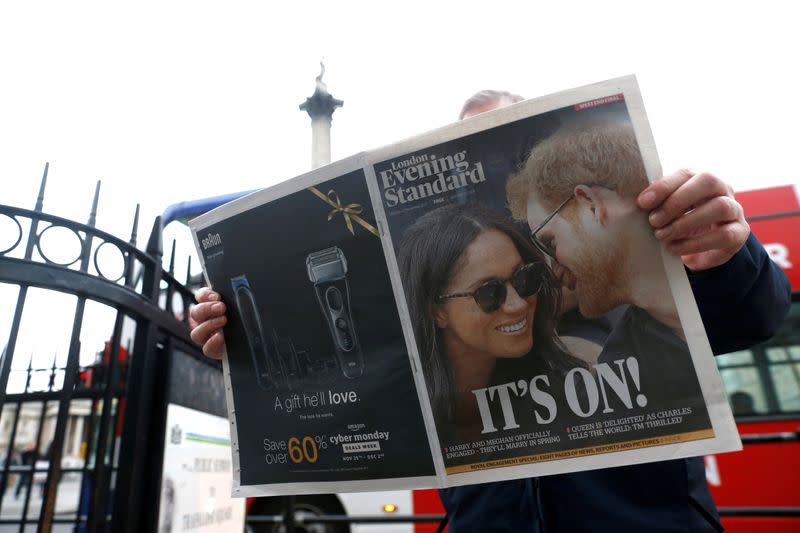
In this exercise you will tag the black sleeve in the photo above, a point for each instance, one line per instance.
(499, 506)
(744, 301)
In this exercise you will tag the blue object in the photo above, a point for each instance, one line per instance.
(184, 211)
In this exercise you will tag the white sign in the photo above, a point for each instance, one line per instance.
(196, 477)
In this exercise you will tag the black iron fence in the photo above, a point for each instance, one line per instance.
(77, 436)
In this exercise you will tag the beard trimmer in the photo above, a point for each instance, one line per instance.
(263, 360)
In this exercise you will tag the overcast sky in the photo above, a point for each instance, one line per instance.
(171, 101)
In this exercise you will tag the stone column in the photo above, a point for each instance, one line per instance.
(320, 107)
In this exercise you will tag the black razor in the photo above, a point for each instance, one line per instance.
(327, 270)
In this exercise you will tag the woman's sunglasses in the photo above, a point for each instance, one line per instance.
(527, 281)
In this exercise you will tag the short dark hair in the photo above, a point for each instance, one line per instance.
(486, 96)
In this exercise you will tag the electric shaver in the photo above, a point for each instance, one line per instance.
(263, 360)
(327, 270)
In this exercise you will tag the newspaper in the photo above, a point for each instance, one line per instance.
(478, 303)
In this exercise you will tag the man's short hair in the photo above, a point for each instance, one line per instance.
(601, 153)
(487, 96)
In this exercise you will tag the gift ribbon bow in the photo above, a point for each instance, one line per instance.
(350, 212)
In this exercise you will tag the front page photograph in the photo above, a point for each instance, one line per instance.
(541, 308)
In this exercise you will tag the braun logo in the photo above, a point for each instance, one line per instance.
(211, 240)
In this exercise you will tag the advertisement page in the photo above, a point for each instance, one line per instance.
(321, 379)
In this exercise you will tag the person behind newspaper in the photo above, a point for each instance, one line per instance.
(742, 297)
(483, 308)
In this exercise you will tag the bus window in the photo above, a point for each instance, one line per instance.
(765, 380)
(785, 374)
(742, 383)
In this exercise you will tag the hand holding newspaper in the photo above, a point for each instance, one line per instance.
(483, 302)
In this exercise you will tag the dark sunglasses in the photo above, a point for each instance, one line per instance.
(527, 281)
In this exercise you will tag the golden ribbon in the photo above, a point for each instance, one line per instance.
(350, 212)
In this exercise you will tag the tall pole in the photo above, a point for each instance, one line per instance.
(320, 107)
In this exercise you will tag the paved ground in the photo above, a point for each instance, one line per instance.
(66, 506)
(57, 528)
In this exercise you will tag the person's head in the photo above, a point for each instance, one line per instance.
(577, 190)
(476, 285)
(742, 403)
(487, 100)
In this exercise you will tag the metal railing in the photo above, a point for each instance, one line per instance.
(106, 407)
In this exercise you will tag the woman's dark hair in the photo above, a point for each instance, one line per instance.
(429, 254)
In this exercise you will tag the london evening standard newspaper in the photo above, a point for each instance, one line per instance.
(392, 324)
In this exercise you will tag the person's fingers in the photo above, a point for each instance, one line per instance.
(206, 294)
(214, 346)
(658, 191)
(706, 260)
(206, 311)
(727, 238)
(202, 294)
(702, 219)
(205, 330)
(209, 317)
(688, 196)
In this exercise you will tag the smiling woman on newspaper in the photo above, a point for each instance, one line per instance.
(483, 308)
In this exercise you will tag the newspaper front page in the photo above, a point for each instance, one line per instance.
(482, 302)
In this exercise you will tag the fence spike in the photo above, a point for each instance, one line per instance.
(135, 226)
(155, 247)
(93, 213)
(40, 198)
(172, 259)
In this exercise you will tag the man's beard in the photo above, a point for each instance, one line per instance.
(598, 271)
